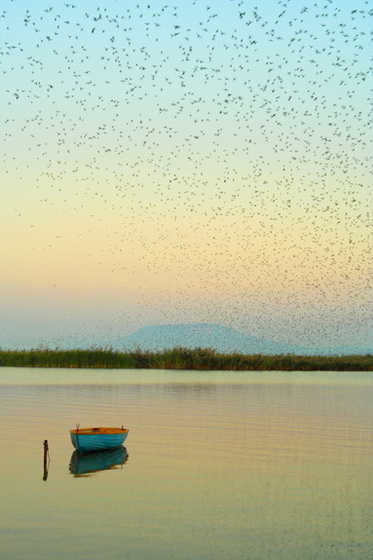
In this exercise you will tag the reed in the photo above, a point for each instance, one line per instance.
(76, 358)
(179, 358)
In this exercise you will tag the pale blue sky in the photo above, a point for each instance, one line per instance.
(186, 162)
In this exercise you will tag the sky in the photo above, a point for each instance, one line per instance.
(185, 162)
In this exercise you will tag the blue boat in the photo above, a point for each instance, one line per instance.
(97, 439)
(85, 464)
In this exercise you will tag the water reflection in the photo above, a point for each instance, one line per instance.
(85, 464)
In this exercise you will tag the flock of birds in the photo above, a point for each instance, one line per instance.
(189, 162)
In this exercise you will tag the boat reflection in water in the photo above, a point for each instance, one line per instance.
(85, 464)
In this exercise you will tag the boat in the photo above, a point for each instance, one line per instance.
(86, 440)
(85, 464)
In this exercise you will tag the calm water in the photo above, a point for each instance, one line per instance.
(217, 465)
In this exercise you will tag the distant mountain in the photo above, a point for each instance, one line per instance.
(205, 335)
(347, 351)
(220, 338)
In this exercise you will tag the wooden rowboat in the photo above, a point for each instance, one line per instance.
(97, 439)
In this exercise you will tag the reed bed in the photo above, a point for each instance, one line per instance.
(179, 358)
(76, 358)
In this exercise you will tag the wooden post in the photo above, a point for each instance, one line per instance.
(46, 449)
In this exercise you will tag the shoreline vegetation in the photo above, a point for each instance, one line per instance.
(180, 359)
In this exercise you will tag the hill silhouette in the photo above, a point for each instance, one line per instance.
(218, 337)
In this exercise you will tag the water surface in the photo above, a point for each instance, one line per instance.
(251, 465)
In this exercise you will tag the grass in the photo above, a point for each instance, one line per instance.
(179, 358)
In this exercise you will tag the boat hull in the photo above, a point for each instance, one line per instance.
(97, 439)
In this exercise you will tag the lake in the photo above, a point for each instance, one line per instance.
(217, 465)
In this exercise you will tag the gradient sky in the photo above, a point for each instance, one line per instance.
(185, 163)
